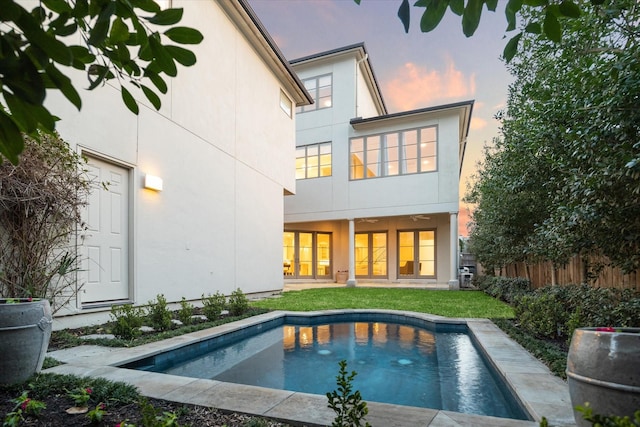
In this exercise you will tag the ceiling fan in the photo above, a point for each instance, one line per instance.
(417, 217)
(369, 220)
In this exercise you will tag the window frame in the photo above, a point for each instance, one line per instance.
(416, 253)
(319, 166)
(315, 93)
(384, 154)
(286, 104)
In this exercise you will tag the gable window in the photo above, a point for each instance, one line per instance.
(313, 161)
(394, 153)
(321, 90)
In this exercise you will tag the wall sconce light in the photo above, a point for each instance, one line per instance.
(152, 182)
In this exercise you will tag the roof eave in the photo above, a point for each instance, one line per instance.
(362, 58)
(243, 16)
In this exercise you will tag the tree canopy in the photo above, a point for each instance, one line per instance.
(122, 40)
(564, 178)
(548, 22)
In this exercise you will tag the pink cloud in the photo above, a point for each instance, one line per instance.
(415, 87)
(477, 123)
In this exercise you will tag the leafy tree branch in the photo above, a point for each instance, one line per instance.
(549, 22)
(127, 40)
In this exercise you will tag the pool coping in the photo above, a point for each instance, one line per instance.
(540, 392)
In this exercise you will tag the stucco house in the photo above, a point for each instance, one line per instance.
(377, 193)
(188, 199)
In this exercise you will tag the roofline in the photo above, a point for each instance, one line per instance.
(361, 50)
(250, 25)
(331, 52)
(359, 120)
(465, 121)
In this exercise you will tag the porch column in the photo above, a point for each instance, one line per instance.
(454, 282)
(351, 282)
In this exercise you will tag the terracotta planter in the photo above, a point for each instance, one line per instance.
(25, 330)
(342, 276)
(603, 368)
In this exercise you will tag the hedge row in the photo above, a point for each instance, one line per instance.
(555, 311)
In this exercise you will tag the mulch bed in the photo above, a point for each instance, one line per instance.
(196, 416)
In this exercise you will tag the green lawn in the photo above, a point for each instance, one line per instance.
(443, 303)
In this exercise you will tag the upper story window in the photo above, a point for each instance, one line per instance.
(321, 90)
(394, 153)
(285, 104)
(313, 161)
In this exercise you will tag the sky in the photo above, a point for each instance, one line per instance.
(414, 70)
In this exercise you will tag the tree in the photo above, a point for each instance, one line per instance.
(115, 43)
(41, 200)
(571, 130)
(548, 22)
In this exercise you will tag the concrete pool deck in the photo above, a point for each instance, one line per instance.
(540, 392)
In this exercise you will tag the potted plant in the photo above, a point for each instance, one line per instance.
(342, 276)
(603, 370)
(41, 200)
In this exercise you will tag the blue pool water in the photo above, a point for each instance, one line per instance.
(395, 363)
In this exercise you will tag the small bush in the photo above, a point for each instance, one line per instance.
(349, 407)
(127, 321)
(212, 305)
(159, 315)
(543, 313)
(608, 420)
(504, 288)
(185, 312)
(238, 303)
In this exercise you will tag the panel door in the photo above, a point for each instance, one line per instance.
(106, 243)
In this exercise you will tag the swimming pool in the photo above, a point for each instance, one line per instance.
(399, 359)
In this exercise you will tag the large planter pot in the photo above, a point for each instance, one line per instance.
(603, 368)
(342, 276)
(25, 330)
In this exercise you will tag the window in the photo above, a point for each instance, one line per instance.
(285, 104)
(394, 153)
(313, 161)
(320, 88)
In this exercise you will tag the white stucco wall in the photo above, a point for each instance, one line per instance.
(225, 151)
(337, 197)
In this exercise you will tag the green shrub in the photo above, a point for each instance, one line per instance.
(556, 311)
(608, 420)
(542, 314)
(154, 417)
(127, 321)
(185, 312)
(238, 303)
(349, 407)
(212, 305)
(159, 314)
(504, 288)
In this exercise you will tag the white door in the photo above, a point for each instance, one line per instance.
(105, 247)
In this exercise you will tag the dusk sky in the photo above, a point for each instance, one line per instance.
(414, 70)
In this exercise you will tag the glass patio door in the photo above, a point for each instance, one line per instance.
(417, 254)
(371, 255)
(306, 255)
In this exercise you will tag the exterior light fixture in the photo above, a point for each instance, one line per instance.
(152, 182)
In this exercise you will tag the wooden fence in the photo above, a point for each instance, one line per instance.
(576, 271)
